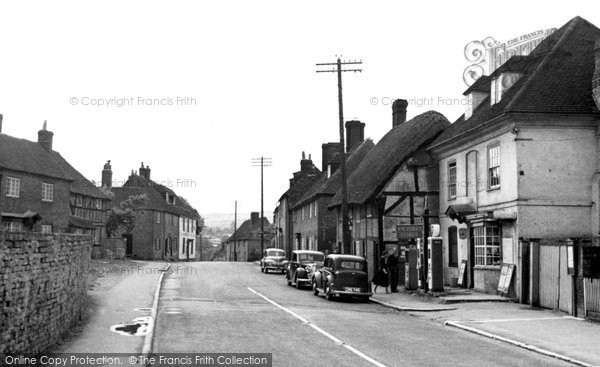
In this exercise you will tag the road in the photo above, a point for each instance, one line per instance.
(234, 308)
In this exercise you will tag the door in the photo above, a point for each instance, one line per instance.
(471, 260)
(128, 244)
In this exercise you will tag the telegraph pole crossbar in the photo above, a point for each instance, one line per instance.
(346, 241)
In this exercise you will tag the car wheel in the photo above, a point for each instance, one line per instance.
(364, 299)
(287, 277)
(297, 282)
(283, 272)
(328, 294)
(314, 287)
(266, 270)
(262, 269)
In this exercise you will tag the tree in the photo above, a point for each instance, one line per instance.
(122, 217)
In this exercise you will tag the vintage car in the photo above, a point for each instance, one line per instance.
(342, 275)
(301, 267)
(273, 259)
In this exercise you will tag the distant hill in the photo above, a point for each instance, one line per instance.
(225, 220)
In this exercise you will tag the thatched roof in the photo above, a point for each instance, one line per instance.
(557, 79)
(379, 166)
(329, 186)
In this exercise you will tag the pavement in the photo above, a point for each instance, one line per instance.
(119, 291)
(551, 333)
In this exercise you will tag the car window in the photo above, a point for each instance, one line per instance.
(311, 257)
(295, 257)
(274, 253)
(351, 265)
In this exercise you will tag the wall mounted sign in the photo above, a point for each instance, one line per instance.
(409, 231)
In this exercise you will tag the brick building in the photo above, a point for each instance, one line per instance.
(244, 243)
(283, 237)
(519, 171)
(314, 225)
(166, 227)
(396, 183)
(40, 191)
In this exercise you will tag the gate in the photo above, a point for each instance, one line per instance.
(555, 284)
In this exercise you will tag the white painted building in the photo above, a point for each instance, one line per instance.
(187, 238)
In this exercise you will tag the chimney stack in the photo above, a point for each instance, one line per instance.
(254, 218)
(305, 164)
(596, 78)
(1, 117)
(328, 152)
(355, 134)
(45, 137)
(107, 175)
(145, 172)
(399, 112)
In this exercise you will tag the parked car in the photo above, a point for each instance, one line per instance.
(301, 267)
(273, 259)
(342, 275)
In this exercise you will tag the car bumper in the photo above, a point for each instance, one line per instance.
(350, 293)
(277, 267)
(303, 280)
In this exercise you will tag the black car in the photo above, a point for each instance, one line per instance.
(303, 264)
(342, 275)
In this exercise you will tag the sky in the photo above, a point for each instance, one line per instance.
(196, 90)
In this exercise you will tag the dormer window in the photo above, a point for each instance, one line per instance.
(501, 84)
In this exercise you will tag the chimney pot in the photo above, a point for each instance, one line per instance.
(45, 137)
(145, 171)
(329, 150)
(355, 134)
(399, 112)
(254, 217)
(305, 164)
(107, 175)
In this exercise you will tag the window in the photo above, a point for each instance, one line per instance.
(452, 246)
(98, 204)
(452, 180)
(46, 228)
(494, 166)
(302, 213)
(47, 192)
(487, 245)
(157, 217)
(13, 226)
(79, 201)
(13, 187)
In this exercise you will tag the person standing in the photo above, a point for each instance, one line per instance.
(392, 264)
(382, 276)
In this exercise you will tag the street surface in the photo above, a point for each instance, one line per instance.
(223, 307)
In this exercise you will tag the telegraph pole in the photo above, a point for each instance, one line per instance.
(346, 242)
(262, 162)
(235, 230)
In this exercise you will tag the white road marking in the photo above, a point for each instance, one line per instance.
(321, 331)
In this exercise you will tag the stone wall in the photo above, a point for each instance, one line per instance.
(42, 288)
(110, 248)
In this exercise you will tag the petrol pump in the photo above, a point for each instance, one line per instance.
(435, 260)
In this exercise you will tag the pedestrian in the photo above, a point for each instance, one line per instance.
(392, 263)
(382, 276)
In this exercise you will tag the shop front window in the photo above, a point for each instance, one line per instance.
(487, 245)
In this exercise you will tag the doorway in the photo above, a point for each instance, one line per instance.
(128, 244)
